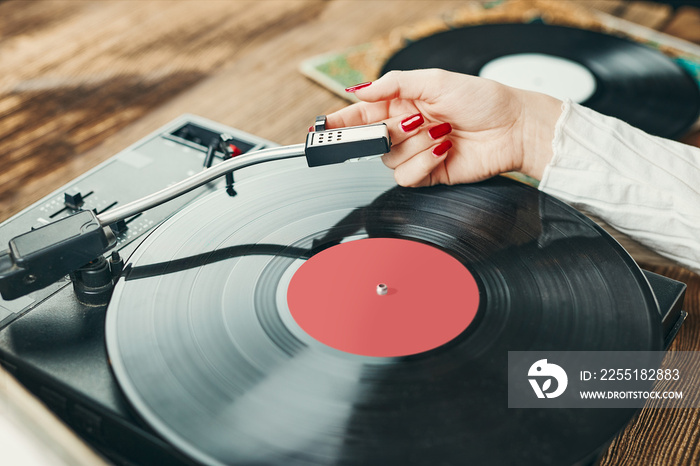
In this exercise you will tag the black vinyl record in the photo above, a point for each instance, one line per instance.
(202, 344)
(634, 83)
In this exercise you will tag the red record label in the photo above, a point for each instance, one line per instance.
(383, 297)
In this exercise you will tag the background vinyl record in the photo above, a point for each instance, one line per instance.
(631, 82)
(203, 345)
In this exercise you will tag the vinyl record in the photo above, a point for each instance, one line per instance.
(213, 336)
(609, 74)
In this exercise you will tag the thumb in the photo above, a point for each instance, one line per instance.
(424, 85)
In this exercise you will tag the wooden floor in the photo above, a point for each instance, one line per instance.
(82, 80)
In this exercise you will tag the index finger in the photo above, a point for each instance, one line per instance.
(360, 113)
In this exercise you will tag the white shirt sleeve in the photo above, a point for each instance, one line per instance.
(644, 186)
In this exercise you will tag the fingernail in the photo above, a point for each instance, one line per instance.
(311, 129)
(412, 122)
(357, 87)
(441, 148)
(436, 132)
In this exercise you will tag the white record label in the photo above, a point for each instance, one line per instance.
(555, 76)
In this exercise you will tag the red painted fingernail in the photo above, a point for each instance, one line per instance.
(412, 122)
(311, 129)
(441, 148)
(436, 132)
(357, 87)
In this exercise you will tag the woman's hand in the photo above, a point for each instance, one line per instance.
(449, 128)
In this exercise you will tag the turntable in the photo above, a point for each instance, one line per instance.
(314, 313)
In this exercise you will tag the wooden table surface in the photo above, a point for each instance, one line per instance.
(82, 80)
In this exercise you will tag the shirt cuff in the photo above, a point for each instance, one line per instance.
(644, 186)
